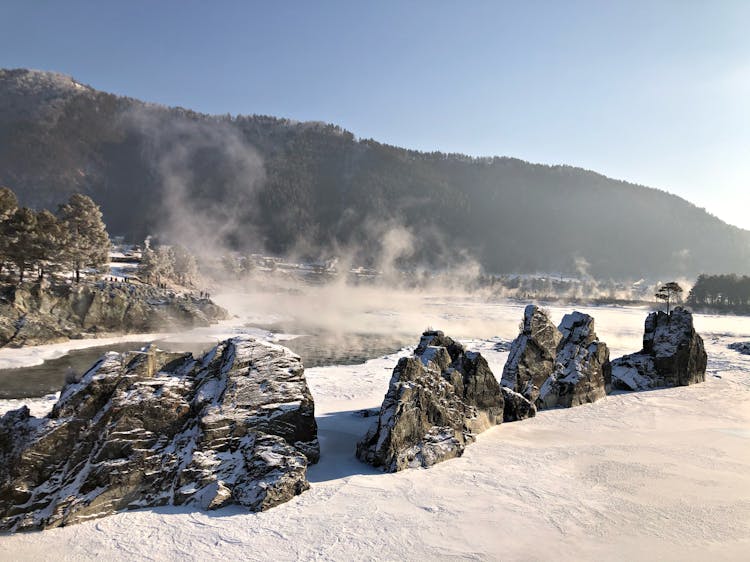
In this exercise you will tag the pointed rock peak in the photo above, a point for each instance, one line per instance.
(532, 353)
(578, 328)
(535, 319)
(436, 338)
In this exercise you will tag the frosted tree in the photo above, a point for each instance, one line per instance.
(87, 242)
(184, 265)
(157, 264)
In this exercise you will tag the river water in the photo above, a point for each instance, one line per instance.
(315, 350)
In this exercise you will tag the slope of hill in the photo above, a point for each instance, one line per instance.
(257, 181)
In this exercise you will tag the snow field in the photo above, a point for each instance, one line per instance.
(663, 474)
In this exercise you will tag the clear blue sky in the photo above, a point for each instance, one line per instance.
(652, 92)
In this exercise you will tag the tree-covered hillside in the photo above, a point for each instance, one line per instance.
(261, 182)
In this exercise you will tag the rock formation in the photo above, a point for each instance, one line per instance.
(555, 367)
(36, 313)
(532, 354)
(742, 347)
(437, 400)
(672, 354)
(582, 372)
(153, 428)
(516, 406)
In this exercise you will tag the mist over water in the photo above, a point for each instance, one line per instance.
(339, 310)
(209, 178)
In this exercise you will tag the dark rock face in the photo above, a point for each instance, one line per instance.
(582, 372)
(742, 347)
(557, 367)
(532, 354)
(437, 400)
(154, 428)
(517, 407)
(37, 313)
(672, 355)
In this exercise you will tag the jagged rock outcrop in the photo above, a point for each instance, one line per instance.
(437, 400)
(582, 372)
(154, 428)
(532, 354)
(557, 367)
(672, 354)
(39, 313)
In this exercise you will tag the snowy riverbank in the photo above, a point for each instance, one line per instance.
(654, 475)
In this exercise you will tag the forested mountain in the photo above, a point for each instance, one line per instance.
(261, 182)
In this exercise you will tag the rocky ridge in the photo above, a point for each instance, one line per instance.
(60, 137)
(153, 428)
(39, 313)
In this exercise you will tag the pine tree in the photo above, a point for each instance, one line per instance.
(669, 292)
(87, 241)
(48, 243)
(20, 233)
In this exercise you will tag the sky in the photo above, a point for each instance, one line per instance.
(655, 92)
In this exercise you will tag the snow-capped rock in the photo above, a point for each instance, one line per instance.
(154, 428)
(437, 400)
(672, 354)
(582, 372)
(557, 367)
(532, 354)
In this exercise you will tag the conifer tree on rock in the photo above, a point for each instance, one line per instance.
(669, 292)
(87, 243)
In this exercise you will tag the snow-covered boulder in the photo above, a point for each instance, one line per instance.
(437, 400)
(153, 428)
(582, 369)
(672, 355)
(532, 354)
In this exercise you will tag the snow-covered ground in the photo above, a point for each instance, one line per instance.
(660, 475)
